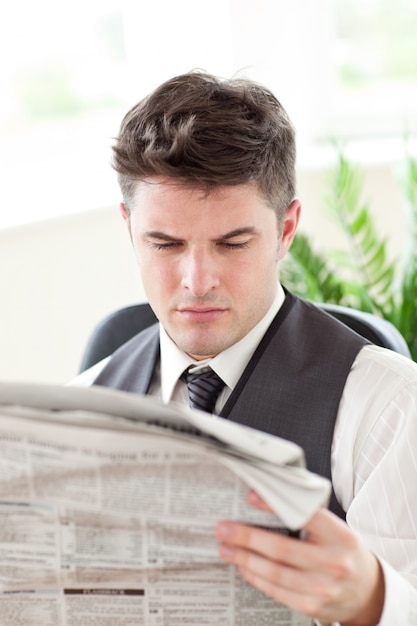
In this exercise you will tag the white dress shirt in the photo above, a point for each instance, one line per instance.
(374, 450)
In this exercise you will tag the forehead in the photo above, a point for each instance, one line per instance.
(160, 192)
(164, 207)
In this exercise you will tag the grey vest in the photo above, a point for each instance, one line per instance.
(290, 388)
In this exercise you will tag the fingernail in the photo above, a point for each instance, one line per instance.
(225, 551)
(224, 530)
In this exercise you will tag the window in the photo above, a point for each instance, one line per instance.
(374, 51)
(62, 98)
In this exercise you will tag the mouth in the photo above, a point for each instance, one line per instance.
(198, 314)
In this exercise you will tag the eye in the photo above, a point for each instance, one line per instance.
(164, 246)
(229, 245)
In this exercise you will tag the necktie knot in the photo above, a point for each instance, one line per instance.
(203, 388)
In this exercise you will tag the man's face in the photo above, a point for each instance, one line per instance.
(208, 261)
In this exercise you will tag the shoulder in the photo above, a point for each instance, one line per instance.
(88, 376)
(380, 391)
(386, 366)
(379, 377)
(144, 342)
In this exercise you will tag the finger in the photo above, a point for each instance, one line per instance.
(294, 588)
(325, 528)
(255, 500)
(304, 603)
(321, 523)
(269, 544)
(327, 544)
(250, 563)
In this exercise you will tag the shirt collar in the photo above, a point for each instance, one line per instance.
(229, 364)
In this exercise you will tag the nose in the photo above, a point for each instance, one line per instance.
(199, 272)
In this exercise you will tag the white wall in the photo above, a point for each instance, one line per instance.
(60, 277)
(57, 279)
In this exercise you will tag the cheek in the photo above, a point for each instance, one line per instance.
(262, 266)
(157, 277)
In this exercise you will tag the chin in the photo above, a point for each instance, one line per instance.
(201, 345)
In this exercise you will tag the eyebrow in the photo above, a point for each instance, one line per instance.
(156, 234)
(245, 230)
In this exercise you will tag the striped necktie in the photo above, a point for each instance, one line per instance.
(203, 389)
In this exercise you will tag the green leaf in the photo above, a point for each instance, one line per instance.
(360, 274)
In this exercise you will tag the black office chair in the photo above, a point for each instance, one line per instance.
(114, 330)
(120, 326)
(375, 329)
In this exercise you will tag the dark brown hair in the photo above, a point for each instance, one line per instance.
(205, 132)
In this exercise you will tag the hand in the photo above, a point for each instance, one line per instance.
(329, 575)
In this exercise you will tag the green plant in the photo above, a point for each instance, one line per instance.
(361, 275)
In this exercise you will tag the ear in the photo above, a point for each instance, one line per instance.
(289, 226)
(124, 212)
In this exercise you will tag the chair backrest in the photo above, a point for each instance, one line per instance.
(118, 327)
(374, 328)
(114, 330)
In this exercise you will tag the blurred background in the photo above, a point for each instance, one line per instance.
(343, 69)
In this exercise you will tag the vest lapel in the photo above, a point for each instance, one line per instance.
(293, 384)
(131, 367)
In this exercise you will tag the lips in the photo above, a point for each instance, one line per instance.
(193, 314)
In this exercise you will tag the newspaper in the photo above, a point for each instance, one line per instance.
(108, 504)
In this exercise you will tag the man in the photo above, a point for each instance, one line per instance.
(206, 169)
